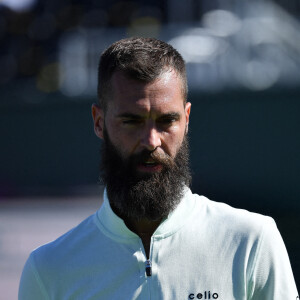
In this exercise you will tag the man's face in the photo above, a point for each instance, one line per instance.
(145, 151)
(143, 116)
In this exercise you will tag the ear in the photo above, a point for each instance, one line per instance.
(98, 117)
(187, 111)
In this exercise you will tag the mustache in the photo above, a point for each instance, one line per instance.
(155, 156)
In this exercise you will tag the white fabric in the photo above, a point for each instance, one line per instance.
(203, 250)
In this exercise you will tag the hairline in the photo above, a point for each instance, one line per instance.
(109, 91)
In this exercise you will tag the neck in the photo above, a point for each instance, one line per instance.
(144, 229)
(138, 226)
(143, 226)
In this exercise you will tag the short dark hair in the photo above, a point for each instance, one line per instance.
(142, 59)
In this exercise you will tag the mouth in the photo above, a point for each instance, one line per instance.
(149, 166)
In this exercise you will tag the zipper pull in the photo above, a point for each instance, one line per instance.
(148, 267)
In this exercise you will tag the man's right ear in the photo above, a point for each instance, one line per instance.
(98, 117)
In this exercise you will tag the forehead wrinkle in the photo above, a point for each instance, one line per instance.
(164, 78)
(145, 97)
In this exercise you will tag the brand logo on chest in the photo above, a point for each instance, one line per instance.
(204, 295)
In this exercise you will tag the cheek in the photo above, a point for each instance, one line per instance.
(172, 142)
(125, 142)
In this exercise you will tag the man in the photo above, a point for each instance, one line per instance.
(152, 238)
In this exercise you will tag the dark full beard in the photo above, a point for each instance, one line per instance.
(151, 196)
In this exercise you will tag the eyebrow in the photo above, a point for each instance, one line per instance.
(129, 116)
(170, 115)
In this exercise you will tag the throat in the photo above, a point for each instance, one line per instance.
(146, 239)
(144, 229)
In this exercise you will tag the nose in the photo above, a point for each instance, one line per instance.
(151, 138)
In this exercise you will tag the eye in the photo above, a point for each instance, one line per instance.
(132, 121)
(168, 120)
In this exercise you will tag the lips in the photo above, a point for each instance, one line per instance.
(150, 162)
(147, 163)
(149, 166)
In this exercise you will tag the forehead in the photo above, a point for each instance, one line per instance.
(163, 92)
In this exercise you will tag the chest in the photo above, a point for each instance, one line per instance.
(181, 269)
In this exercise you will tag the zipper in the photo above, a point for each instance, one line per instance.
(148, 267)
(148, 264)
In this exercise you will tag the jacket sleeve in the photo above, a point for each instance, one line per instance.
(31, 286)
(271, 277)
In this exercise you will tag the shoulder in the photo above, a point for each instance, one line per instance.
(233, 220)
(48, 264)
(254, 243)
(68, 246)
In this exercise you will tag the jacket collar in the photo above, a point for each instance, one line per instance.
(114, 226)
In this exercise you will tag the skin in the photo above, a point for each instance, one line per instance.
(152, 116)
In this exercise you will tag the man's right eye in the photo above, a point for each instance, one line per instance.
(132, 121)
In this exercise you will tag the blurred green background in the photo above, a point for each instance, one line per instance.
(243, 64)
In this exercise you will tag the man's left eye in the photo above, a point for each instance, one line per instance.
(167, 121)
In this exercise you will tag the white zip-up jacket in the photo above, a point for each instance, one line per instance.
(203, 250)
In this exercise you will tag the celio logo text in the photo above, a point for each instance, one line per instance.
(204, 295)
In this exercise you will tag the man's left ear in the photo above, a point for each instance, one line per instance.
(187, 115)
(98, 118)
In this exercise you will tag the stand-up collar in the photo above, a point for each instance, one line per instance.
(115, 227)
